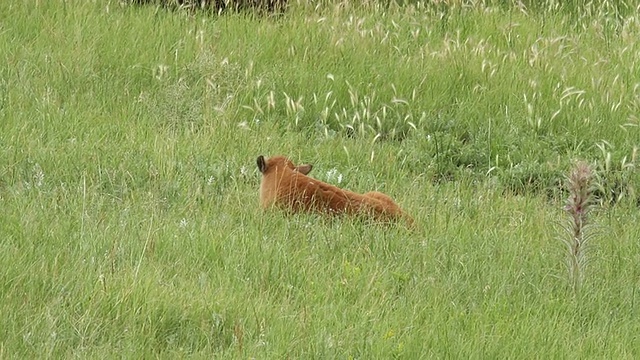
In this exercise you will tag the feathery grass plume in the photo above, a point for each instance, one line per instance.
(578, 206)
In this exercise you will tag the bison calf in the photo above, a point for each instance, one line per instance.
(288, 186)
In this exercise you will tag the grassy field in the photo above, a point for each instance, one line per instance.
(129, 218)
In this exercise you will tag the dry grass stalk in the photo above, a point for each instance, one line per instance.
(579, 203)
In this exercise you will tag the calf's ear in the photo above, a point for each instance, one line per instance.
(304, 169)
(262, 165)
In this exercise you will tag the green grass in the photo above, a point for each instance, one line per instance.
(129, 194)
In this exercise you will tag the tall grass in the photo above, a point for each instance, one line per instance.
(128, 190)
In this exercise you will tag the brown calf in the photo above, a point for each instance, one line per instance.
(287, 186)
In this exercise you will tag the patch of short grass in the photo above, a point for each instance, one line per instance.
(128, 188)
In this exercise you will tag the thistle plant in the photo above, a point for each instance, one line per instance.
(578, 205)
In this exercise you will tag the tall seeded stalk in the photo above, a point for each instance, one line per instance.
(578, 206)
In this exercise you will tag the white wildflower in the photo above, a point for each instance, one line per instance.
(333, 174)
(38, 175)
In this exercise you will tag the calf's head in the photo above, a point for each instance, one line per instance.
(267, 166)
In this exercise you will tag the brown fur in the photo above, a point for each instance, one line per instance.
(287, 186)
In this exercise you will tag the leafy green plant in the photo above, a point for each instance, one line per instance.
(616, 176)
